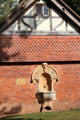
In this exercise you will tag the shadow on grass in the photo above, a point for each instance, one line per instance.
(7, 118)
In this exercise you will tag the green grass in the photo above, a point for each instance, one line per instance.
(64, 115)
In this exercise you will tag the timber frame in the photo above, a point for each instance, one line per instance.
(65, 12)
(58, 5)
(16, 13)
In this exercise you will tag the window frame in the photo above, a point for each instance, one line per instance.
(42, 12)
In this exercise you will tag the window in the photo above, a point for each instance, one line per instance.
(42, 10)
(39, 9)
(45, 11)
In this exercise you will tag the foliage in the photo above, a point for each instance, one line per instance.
(6, 6)
(74, 4)
(64, 115)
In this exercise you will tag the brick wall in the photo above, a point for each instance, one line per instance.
(19, 55)
(17, 93)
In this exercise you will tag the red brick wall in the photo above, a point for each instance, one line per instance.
(17, 94)
(20, 98)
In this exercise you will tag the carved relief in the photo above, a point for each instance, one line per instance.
(44, 68)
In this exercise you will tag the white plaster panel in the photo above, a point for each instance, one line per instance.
(54, 13)
(13, 27)
(58, 24)
(30, 12)
(43, 25)
(70, 28)
(28, 22)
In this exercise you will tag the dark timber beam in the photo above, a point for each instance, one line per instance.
(65, 12)
(23, 6)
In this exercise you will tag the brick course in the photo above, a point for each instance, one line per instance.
(39, 48)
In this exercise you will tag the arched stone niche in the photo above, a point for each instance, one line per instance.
(45, 76)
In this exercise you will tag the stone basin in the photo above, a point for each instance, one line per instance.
(45, 96)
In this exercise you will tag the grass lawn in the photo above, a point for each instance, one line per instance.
(63, 115)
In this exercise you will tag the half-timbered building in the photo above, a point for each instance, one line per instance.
(39, 58)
